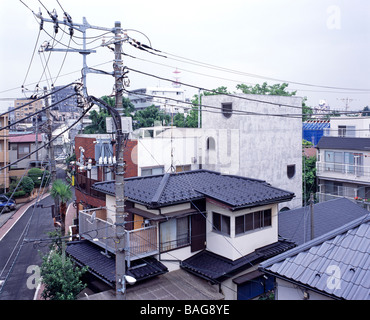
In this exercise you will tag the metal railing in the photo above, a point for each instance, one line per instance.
(139, 242)
(351, 171)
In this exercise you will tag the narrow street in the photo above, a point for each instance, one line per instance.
(19, 258)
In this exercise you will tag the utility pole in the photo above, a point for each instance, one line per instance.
(119, 184)
(312, 217)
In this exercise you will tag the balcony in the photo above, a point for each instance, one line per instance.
(343, 171)
(139, 242)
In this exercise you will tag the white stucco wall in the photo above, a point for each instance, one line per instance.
(258, 146)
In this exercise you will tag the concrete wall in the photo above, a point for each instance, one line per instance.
(259, 145)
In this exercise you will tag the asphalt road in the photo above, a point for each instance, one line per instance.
(18, 258)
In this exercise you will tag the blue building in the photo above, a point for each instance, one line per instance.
(313, 130)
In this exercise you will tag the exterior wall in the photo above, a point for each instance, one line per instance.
(156, 152)
(87, 142)
(265, 146)
(361, 124)
(4, 154)
(288, 291)
(234, 247)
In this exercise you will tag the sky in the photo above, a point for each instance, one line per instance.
(320, 47)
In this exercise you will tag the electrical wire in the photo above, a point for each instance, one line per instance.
(51, 140)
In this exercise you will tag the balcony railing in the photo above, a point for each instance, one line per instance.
(322, 197)
(139, 242)
(344, 170)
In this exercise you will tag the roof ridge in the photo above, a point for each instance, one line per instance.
(160, 188)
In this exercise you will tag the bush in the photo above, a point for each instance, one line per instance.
(39, 177)
(27, 185)
(17, 194)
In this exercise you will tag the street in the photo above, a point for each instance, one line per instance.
(18, 259)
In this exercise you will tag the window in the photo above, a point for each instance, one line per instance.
(23, 150)
(291, 171)
(227, 109)
(221, 223)
(252, 221)
(152, 171)
(174, 233)
(211, 144)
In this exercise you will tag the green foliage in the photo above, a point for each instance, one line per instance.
(366, 112)
(147, 117)
(27, 185)
(275, 90)
(61, 278)
(98, 122)
(39, 177)
(61, 191)
(309, 177)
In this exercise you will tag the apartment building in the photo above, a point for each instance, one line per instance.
(343, 161)
(4, 155)
(26, 108)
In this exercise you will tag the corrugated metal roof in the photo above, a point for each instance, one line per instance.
(337, 263)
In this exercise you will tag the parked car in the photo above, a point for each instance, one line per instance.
(7, 203)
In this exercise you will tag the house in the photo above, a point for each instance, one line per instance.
(217, 227)
(295, 225)
(343, 161)
(89, 149)
(20, 146)
(161, 97)
(256, 136)
(4, 154)
(334, 266)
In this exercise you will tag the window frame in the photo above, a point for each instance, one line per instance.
(221, 224)
(253, 221)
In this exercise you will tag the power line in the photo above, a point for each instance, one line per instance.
(48, 143)
(211, 66)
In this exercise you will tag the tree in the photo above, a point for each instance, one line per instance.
(147, 117)
(60, 277)
(366, 112)
(309, 178)
(98, 122)
(39, 177)
(62, 192)
(27, 185)
(275, 90)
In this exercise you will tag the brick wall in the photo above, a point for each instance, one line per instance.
(129, 156)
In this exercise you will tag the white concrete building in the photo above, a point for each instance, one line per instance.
(169, 99)
(255, 136)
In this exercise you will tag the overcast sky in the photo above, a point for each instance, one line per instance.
(317, 43)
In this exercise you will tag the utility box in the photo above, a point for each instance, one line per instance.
(126, 125)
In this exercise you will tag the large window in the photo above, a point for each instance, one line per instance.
(221, 223)
(23, 150)
(252, 221)
(174, 233)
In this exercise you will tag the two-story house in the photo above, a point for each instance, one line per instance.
(343, 161)
(218, 227)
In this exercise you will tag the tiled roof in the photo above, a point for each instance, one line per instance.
(215, 268)
(166, 189)
(295, 225)
(342, 253)
(344, 143)
(25, 138)
(88, 254)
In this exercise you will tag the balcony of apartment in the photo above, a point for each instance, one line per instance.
(344, 171)
(4, 156)
(359, 195)
(347, 132)
(140, 243)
